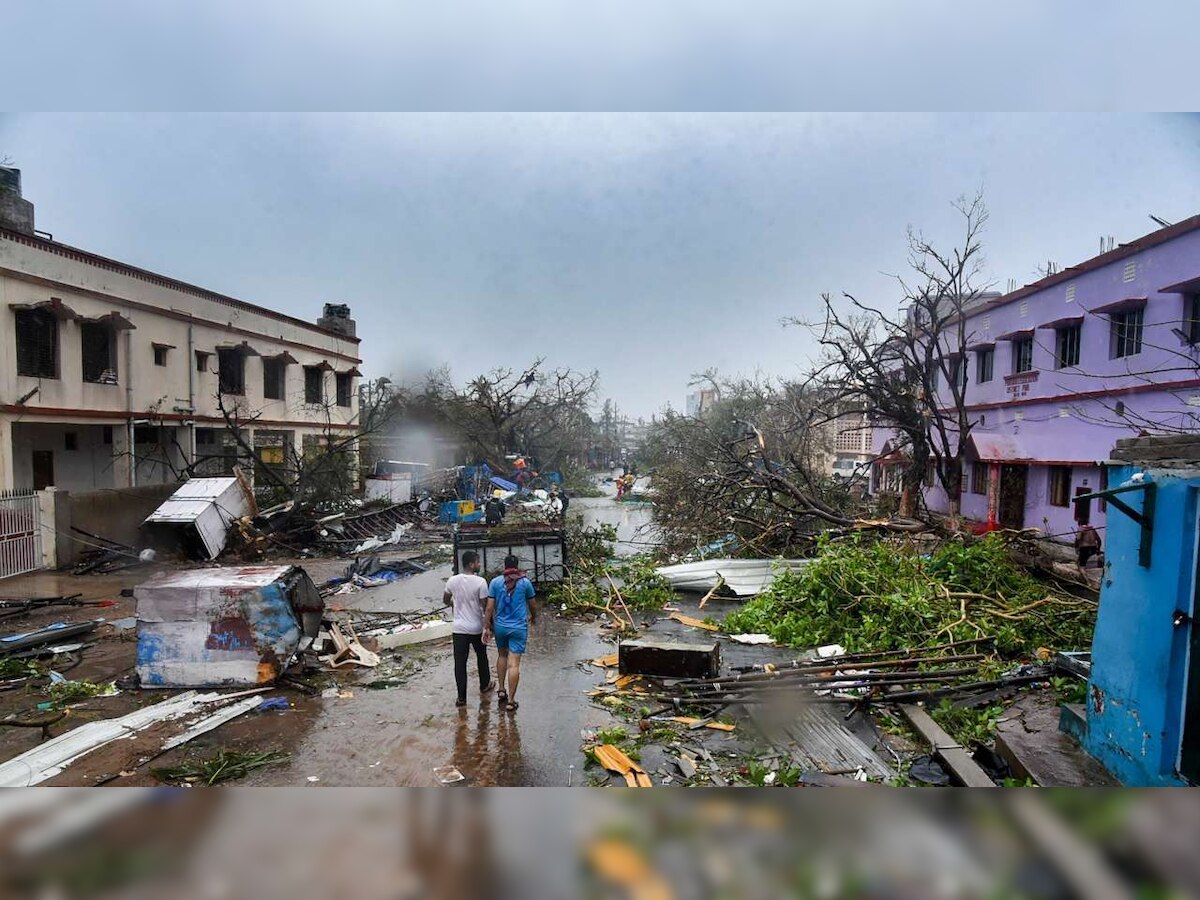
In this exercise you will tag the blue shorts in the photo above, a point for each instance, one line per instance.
(511, 640)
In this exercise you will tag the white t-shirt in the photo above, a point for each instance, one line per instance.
(469, 595)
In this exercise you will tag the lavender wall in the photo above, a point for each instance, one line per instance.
(1067, 415)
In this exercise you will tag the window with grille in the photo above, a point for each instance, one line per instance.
(958, 373)
(314, 384)
(344, 385)
(1126, 333)
(1060, 486)
(160, 356)
(1022, 355)
(274, 378)
(231, 372)
(37, 343)
(1191, 322)
(985, 361)
(980, 473)
(201, 361)
(1066, 346)
(70, 440)
(98, 342)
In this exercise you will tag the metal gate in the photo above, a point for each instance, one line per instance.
(20, 532)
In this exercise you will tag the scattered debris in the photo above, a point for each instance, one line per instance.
(962, 767)
(448, 775)
(49, 759)
(218, 718)
(615, 760)
(693, 722)
(413, 633)
(605, 662)
(62, 691)
(752, 638)
(226, 765)
(17, 643)
(347, 650)
(693, 623)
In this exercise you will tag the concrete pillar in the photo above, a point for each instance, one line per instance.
(8, 478)
(122, 456)
(993, 496)
(54, 518)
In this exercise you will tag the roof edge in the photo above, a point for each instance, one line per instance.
(168, 281)
(1145, 242)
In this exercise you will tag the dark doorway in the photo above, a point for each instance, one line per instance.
(1012, 496)
(43, 469)
(1189, 751)
(1083, 508)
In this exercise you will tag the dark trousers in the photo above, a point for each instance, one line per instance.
(462, 650)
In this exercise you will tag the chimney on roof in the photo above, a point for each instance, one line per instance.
(15, 212)
(337, 318)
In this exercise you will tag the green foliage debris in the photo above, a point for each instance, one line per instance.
(883, 595)
(226, 765)
(596, 581)
(63, 692)
(18, 668)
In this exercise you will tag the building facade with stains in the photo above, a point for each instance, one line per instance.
(1059, 370)
(114, 376)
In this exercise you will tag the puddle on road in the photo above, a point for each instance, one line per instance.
(399, 735)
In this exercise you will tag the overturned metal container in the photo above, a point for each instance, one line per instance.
(237, 625)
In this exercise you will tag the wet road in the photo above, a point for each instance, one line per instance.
(398, 735)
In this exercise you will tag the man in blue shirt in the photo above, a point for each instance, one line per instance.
(511, 609)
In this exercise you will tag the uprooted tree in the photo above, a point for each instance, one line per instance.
(750, 466)
(909, 367)
(536, 411)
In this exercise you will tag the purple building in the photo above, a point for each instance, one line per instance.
(1059, 370)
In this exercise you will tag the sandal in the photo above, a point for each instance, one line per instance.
(512, 706)
(460, 703)
(502, 697)
(491, 687)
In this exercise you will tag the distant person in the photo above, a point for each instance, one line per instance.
(468, 594)
(1087, 544)
(493, 511)
(511, 609)
(558, 502)
(620, 482)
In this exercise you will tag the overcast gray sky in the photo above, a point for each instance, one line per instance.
(646, 246)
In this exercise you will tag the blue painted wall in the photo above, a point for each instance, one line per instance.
(1139, 657)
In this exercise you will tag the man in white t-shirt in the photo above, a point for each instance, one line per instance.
(468, 593)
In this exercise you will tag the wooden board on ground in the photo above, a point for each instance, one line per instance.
(669, 659)
(963, 768)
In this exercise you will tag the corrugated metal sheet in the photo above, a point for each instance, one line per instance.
(745, 577)
(205, 506)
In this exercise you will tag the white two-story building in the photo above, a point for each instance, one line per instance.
(113, 376)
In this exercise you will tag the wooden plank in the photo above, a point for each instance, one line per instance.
(953, 755)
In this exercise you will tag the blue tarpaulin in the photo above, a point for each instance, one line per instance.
(502, 484)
